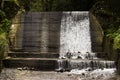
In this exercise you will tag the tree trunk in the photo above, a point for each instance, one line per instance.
(2, 4)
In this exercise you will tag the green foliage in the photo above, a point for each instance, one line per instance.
(117, 42)
(113, 29)
(36, 5)
(16, 2)
(107, 12)
(49, 5)
(10, 9)
(60, 5)
(4, 29)
(4, 23)
(3, 43)
(113, 32)
(2, 15)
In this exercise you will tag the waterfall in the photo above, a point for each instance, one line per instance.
(75, 32)
(75, 44)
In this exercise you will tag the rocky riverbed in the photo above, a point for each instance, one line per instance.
(20, 74)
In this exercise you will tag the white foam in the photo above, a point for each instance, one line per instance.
(98, 74)
(75, 32)
(97, 71)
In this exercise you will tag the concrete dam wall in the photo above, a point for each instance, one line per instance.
(51, 32)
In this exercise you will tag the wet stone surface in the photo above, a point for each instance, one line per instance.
(19, 74)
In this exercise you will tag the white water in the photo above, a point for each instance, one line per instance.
(75, 32)
(97, 74)
(75, 39)
(82, 55)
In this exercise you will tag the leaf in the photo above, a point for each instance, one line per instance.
(17, 2)
(117, 42)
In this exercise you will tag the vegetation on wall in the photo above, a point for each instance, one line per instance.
(8, 9)
(58, 5)
(4, 29)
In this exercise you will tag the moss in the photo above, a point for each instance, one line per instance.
(3, 42)
(4, 30)
(117, 42)
(108, 14)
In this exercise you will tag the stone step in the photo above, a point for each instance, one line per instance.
(101, 54)
(52, 64)
(31, 63)
(46, 55)
(33, 55)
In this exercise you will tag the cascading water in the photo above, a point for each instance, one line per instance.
(75, 32)
(76, 55)
(75, 45)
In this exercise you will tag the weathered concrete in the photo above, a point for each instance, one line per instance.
(32, 63)
(32, 55)
(16, 32)
(96, 34)
(40, 32)
(38, 37)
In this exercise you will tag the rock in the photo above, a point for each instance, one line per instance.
(69, 75)
(79, 57)
(24, 68)
(93, 77)
(83, 74)
(62, 57)
(19, 69)
(89, 69)
(69, 55)
(60, 70)
(102, 68)
(32, 68)
(8, 57)
(68, 70)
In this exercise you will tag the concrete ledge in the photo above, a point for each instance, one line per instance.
(43, 65)
(34, 55)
